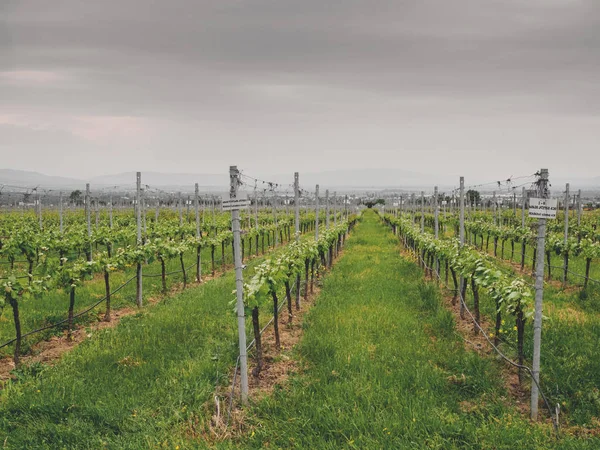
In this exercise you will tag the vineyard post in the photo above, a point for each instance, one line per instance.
(255, 207)
(110, 206)
(274, 206)
(514, 204)
(327, 209)
(97, 212)
(296, 206)
(198, 235)
(239, 284)
(317, 213)
(187, 209)
(565, 250)
(539, 297)
(40, 209)
(297, 233)
(436, 211)
(212, 205)
(412, 208)
(197, 211)
(461, 234)
(422, 211)
(335, 209)
(401, 205)
(87, 209)
(138, 217)
(523, 207)
(60, 211)
(579, 207)
(495, 208)
(88, 217)
(179, 209)
(346, 205)
(157, 209)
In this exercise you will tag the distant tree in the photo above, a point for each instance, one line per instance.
(26, 197)
(76, 198)
(473, 197)
(371, 203)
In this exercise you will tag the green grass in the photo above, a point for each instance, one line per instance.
(130, 387)
(383, 368)
(570, 367)
(52, 307)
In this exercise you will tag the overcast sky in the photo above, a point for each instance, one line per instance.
(460, 87)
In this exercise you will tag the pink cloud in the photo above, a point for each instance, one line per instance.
(33, 77)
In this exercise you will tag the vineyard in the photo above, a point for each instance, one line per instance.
(413, 327)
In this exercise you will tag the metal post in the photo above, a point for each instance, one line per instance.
(138, 216)
(495, 208)
(274, 206)
(87, 209)
(297, 206)
(196, 205)
(179, 209)
(317, 212)
(523, 200)
(435, 211)
(255, 207)
(461, 235)
(422, 211)
(187, 209)
(335, 209)
(60, 211)
(297, 232)
(539, 296)
(579, 207)
(88, 217)
(327, 209)
(566, 256)
(239, 284)
(346, 205)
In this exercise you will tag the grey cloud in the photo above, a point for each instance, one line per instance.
(252, 73)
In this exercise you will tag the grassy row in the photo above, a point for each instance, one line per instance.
(383, 368)
(570, 368)
(143, 384)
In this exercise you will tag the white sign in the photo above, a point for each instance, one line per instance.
(235, 203)
(543, 208)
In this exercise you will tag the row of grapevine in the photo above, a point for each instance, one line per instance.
(511, 295)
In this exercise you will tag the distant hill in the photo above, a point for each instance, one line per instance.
(23, 178)
(353, 179)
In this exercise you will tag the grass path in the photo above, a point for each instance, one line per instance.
(383, 368)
